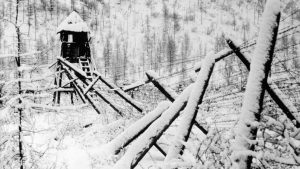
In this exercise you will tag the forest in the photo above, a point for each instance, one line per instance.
(166, 84)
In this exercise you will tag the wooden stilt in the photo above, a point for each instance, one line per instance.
(80, 91)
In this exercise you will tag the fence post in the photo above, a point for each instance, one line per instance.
(279, 98)
(246, 128)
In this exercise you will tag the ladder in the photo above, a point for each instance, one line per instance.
(86, 67)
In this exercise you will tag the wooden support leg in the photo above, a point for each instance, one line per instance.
(55, 93)
(59, 83)
(80, 91)
(72, 99)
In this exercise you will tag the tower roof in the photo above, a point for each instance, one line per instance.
(73, 23)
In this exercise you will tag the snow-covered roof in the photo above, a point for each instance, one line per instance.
(73, 23)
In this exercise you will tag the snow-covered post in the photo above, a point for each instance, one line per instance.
(246, 128)
(141, 146)
(190, 112)
(218, 56)
(136, 129)
(280, 98)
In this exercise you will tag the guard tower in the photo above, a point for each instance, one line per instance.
(74, 35)
(75, 70)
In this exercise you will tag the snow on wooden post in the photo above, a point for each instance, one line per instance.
(190, 112)
(246, 128)
(136, 129)
(169, 93)
(120, 92)
(280, 98)
(218, 56)
(143, 143)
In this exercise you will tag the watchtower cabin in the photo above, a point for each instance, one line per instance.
(74, 35)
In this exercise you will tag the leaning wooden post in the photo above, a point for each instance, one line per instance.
(279, 97)
(246, 128)
(120, 92)
(190, 112)
(169, 93)
(143, 143)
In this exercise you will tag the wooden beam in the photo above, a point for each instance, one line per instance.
(119, 92)
(160, 87)
(81, 74)
(80, 91)
(169, 93)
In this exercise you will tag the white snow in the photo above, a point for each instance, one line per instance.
(73, 23)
